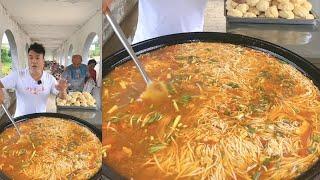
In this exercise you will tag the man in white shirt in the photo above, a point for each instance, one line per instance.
(33, 85)
(163, 17)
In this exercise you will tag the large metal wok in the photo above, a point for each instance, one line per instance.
(308, 69)
(81, 122)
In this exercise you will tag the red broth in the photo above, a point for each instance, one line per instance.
(50, 148)
(232, 112)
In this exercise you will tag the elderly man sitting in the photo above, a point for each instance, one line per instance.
(76, 74)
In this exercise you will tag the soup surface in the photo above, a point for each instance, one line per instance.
(50, 148)
(232, 112)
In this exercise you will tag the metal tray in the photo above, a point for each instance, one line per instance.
(274, 20)
(76, 107)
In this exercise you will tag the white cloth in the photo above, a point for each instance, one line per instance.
(89, 85)
(31, 96)
(163, 17)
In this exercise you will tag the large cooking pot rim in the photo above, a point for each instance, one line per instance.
(79, 121)
(301, 64)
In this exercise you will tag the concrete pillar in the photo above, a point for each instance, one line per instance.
(215, 20)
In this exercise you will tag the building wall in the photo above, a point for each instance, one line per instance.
(78, 39)
(21, 38)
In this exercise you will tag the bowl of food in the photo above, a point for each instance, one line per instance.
(238, 108)
(51, 146)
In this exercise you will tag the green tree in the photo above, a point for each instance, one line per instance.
(5, 55)
(6, 60)
(96, 51)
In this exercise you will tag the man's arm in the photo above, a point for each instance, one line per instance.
(8, 82)
(1, 96)
(62, 94)
(105, 5)
(1, 93)
(88, 72)
(66, 74)
(62, 88)
(1, 85)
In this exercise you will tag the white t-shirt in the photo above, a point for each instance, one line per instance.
(163, 17)
(31, 96)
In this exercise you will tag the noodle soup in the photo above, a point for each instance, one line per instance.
(232, 113)
(50, 148)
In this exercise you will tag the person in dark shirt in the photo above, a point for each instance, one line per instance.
(93, 74)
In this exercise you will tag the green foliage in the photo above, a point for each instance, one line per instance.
(5, 55)
(6, 61)
(96, 51)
